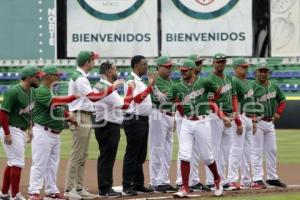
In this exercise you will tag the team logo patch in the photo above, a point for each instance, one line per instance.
(110, 9)
(205, 9)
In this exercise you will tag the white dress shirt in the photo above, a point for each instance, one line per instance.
(81, 87)
(145, 107)
(109, 108)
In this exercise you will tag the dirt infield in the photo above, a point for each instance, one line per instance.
(289, 173)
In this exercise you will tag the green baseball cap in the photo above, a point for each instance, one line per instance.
(50, 69)
(31, 70)
(83, 56)
(187, 64)
(164, 61)
(262, 66)
(239, 62)
(195, 58)
(219, 56)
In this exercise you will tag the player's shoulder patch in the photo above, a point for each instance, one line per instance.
(100, 86)
(130, 78)
(76, 75)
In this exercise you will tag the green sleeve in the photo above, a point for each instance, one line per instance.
(9, 100)
(43, 96)
(279, 95)
(233, 89)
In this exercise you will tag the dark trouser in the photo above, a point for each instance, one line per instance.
(136, 131)
(108, 138)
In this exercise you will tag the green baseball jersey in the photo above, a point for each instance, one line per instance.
(164, 85)
(19, 105)
(266, 97)
(245, 95)
(193, 97)
(52, 118)
(227, 91)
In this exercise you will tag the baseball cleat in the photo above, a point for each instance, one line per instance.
(218, 191)
(182, 193)
(276, 183)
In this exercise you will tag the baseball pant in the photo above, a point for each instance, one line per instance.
(264, 142)
(194, 175)
(160, 144)
(195, 133)
(108, 137)
(240, 153)
(80, 145)
(16, 151)
(45, 161)
(136, 131)
(221, 141)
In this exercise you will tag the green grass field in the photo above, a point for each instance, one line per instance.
(288, 142)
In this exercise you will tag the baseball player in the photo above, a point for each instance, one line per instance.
(49, 120)
(161, 122)
(16, 120)
(267, 96)
(194, 181)
(82, 109)
(241, 145)
(192, 92)
(221, 136)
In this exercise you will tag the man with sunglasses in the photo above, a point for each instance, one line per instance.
(240, 153)
(194, 182)
(82, 109)
(161, 122)
(136, 127)
(221, 136)
(270, 104)
(192, 94)
(15, 120)
(49, 120)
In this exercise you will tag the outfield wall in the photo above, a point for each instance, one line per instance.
(291, 116)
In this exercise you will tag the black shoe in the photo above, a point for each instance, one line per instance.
(277, 183)
(210, 186)
(110, 194)
(170, 188)
(129, 192)
(200, 187)
(143, 189)
(154, 188)
(161, 188)
(226, 186)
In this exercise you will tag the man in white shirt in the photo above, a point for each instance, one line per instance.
(82, 109)
(136, 127)
(109, 117)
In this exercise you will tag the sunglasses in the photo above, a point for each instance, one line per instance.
(184, 70)
(220, 57)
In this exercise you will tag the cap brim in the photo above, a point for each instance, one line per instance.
(40, 74)
(168, 65)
